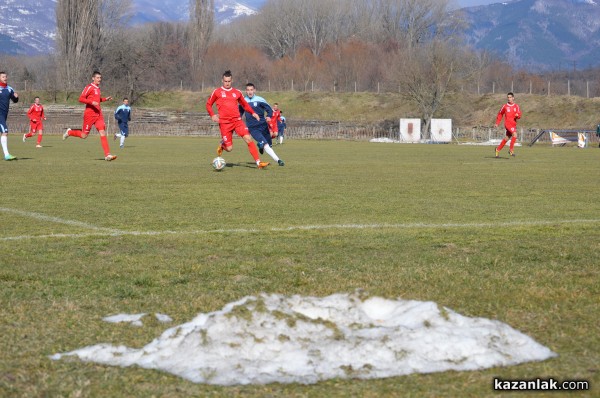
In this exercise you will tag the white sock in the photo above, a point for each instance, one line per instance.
(271, 152)
(122, 140)
(4, 141)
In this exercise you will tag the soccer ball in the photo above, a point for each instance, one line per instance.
(218, 163)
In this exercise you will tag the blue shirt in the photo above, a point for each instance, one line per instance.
(260, 106)
(281, 123)
(6, 95)
(123, 113)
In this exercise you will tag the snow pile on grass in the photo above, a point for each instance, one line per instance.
(275, 338)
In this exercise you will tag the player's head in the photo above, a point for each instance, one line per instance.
(96, 77)
(227, 79)
(511, 97)
(126, 101)
(36, 100)
(250, 90)
(275, 106)
(3, 77)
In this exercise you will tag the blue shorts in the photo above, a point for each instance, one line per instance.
(124, 127)
(261, 134)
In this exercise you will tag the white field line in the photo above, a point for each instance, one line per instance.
(113, 232)
(43, 217)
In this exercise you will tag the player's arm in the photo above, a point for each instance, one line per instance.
(518, 114)
(499, 116)
(83, 98)
(42, 114)
(29, 114)
(14, 96)
(209, 107)
(105, 99)
(248, 108)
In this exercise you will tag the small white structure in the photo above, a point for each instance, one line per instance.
(410, 130)
(441, 130)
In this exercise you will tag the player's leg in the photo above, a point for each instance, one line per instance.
(124, 134)
(40, 134)
(32, 128)
(511, 148)
(101, 127)
(503, 142)
(241, 130)
(226, 142)
(85, 130)
(4, 140)
(268, 146)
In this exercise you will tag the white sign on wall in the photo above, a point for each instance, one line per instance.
(441, 130)
(410, 130)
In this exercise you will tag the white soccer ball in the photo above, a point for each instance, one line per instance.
(218, 163)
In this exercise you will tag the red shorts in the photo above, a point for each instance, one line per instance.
(227, 129)
(36, 126)
(510, 133)
(95, 120)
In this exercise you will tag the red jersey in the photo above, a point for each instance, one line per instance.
(274, 119)
(228, 102)
(36, 113)
(91, 93)
(511, 113)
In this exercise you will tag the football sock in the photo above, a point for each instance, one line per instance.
(271, 152)
(29, 135)
(512, 143)
(104, 142)
(39, 140)
(122, 141)
(501, 144)
(253, 151)
(4, 141)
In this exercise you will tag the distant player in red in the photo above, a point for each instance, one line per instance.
(511, 113)
(228, 116)
(35, 115)
(276, 118)
(92, 116)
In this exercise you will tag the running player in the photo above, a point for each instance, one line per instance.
(7, 94)
(511, 113)
(228, 99)
(259, 129)
(35, 115)
(92, 115)
(123, 117)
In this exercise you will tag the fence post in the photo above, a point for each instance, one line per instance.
(292, 84)
(587, 89)
(569, 87)
(530, 87)
(548, 88)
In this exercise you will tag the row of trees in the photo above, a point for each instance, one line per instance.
(414, 45)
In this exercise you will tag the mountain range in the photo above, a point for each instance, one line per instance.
(538, 35)
(28, 27)
(534, 35)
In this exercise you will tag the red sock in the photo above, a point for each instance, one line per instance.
(501, 145)
(512, 143)
(104, 142)
(29, 135)
(75, 133)
(39, 140)
(253, 151)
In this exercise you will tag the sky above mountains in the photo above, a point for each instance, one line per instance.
(471, 3)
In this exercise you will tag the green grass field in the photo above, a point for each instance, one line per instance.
(512, 239)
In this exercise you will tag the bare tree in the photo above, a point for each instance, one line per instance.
(200, 31)
(427, 77)
(78, 33)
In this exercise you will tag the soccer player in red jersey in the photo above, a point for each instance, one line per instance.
(92, 116)
(275, 119)
(35, 115)
(228, 116)
(511, 113)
